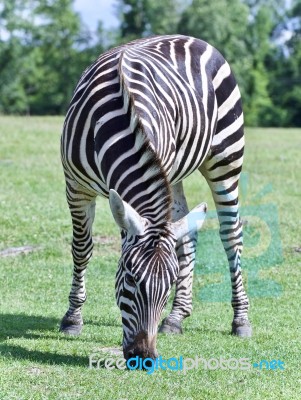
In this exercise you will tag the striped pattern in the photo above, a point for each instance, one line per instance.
(146, 284)
(142, 118)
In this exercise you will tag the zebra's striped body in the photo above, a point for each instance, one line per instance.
(143, 117)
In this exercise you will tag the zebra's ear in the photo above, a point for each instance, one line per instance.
(125, 216)
(191, 223)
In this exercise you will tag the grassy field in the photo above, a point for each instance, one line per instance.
(37, 362)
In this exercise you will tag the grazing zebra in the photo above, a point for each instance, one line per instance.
(143, 117)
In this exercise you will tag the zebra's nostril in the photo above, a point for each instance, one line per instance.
(129, 354)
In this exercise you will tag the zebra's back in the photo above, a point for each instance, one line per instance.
(145, 113)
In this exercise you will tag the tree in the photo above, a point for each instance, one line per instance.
(43, 53)
(285, 87)
(223, 24)
(15, 60)
(141, 18)
(243, 31)
(58, 36)
(258, 104)
(44, 47)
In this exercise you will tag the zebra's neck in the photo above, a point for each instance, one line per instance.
(144, 184)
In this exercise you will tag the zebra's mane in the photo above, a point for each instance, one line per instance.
(154, 171)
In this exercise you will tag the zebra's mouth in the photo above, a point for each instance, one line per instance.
(143, 346)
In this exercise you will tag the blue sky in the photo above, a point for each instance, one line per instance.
(93, 11)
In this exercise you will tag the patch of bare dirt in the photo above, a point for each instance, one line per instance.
(15, 251)
(113, 351)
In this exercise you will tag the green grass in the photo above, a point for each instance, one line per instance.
(37, 362)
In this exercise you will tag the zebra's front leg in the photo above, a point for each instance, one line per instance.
(186, 247)
(82, 208)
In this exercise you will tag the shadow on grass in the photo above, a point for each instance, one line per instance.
(20, 353)
(22, 325)
(34, 326)
(41, 328)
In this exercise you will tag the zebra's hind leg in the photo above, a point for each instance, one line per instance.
(82, 208)
(223, 181)
(182, 303)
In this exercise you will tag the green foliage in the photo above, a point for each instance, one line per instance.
(140, 18)
(41, 57)
(44, 47)
(287, 75)
(216, 23)
(258, 104)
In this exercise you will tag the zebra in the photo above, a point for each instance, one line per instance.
(143, 117)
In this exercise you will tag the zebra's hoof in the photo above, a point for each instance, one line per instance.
(170, 326)
(242, 328)
(71, 325)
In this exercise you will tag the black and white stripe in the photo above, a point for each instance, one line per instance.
(142, 118)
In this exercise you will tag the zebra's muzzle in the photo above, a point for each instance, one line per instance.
(143, 346)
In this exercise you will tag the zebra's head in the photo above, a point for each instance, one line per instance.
(147, 269)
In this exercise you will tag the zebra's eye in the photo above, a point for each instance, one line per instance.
(129, 279)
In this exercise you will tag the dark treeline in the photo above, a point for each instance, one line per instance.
(45, 46)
